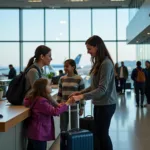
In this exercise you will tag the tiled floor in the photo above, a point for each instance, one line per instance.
(130, 126)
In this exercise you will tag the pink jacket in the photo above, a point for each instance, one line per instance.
(41, 124)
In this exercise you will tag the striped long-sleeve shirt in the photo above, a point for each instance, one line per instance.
(68, 85)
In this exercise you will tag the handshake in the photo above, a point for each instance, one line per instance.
(74, 97)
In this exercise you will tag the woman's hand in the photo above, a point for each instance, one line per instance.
(74, 93)
(70, 101)
(78, 97)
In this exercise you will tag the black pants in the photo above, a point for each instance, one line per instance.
(122, 84)
(139, 89)
(36, 145)
(147, 93)
(102, 120)
(116, 82)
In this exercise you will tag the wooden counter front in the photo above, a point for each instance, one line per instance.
(12, 115)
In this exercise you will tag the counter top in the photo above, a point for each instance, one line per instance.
(13, 115)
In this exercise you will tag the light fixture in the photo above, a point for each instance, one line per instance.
(148, 33)
(36, 1)
(137, 41)
(62, 22)
(78, 0)
(117, 0)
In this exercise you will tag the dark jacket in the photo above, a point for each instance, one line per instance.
(12, 73)
(125, 72)
(147, 75)
(135, 74)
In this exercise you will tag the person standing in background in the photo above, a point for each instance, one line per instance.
(147, 83)
(117, 76)
(123, 76)
(138, 76)
(12, 72)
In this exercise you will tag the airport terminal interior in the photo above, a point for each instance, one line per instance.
(64, 26)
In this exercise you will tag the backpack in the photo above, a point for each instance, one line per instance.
(140, 76)
(16, 90)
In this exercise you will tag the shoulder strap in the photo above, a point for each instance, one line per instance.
(34, 66)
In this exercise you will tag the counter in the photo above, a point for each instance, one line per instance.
(11, 125)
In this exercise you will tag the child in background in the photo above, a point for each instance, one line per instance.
(69, 83)
(40, 127)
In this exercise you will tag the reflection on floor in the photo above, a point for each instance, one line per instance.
(130, 126)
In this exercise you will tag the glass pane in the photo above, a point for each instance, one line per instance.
(122, 22)
(56, 27)
(77, 48)
(28, 51)
(111, 46)
(127, 53)
(9, 25)
(6, 58)
(60, 52)
(104, 23)
(33, 25)
(80, 24)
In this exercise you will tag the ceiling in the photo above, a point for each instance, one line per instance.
(63, 3)
(142, 38)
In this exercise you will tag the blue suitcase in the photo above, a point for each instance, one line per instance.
(76, 139)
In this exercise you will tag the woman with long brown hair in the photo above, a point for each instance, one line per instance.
(102, 90)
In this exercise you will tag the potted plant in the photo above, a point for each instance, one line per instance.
(1, 93)
(50, 75)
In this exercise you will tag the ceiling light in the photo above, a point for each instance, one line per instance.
(57, 39)
(36, 1)
(78, 0)
(148, 33)
(117, 0)
(62, 22)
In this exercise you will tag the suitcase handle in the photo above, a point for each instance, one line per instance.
(69, 126)
(89, 116)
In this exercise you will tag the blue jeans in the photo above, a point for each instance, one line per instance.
(36, 145)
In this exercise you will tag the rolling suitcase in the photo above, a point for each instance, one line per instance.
(76, 139)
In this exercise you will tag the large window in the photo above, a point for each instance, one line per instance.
(122, 23)
(80, 24)
(111, 46)
(9, 25)
(80, 48)
(33, 25)
(127, 53)
(60, 52)
(104, 23)
(28, 51)
(9, 55)
(65, 32)
(57, 25)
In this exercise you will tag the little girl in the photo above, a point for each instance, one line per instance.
(68, 84)
(40, 128)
